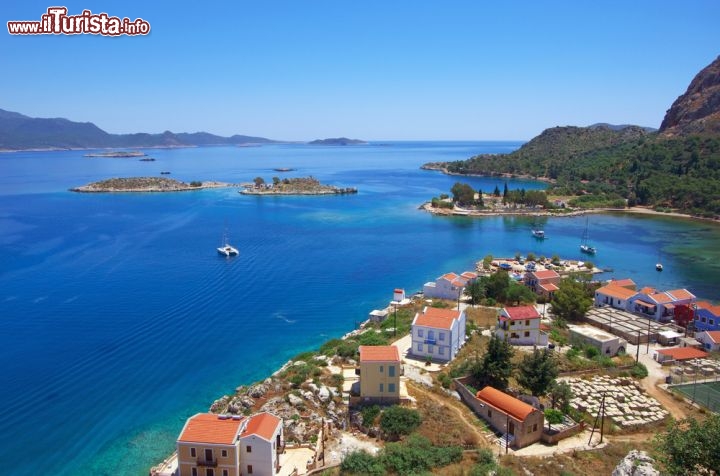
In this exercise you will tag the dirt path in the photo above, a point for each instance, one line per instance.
(465, 415)
(676, 408)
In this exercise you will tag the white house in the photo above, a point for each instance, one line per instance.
(614, 296)
(261, 445)
(710, 340)
(438, 333)
(659, 306)
(449, 286)
(607, 344)
(520, 326)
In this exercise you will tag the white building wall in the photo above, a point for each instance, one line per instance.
(262, 456)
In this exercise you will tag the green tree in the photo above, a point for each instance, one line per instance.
(537, 372)
(518, 293)
(396, 421)
(477, 291)
(463, 194)
(259, 181)
(496, 366)
(553, 416)
(276, 181)
(497, 285)
(690, 447)
(496, 192)
(560, 396)
(571, 301)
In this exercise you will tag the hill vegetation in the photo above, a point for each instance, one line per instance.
(676, 167)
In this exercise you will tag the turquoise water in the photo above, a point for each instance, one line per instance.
(119, 319)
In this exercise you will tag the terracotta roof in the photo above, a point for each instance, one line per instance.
(681, 294)
(450, 276)
(644, 303)
(263, 425)
(459, 282)
(683, 353)
(379, 353)
(546, 274)
(522, 312)
(714, 336)
(209, 428)
(469, 275)
(437, 318)
(647, 290)
(505, 403)
(549, 287)
(616, 291)
(661, 298)
(623, 283)
(399, 291)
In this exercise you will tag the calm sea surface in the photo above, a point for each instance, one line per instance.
(118, 319)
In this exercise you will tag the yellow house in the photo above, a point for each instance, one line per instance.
(379, 374)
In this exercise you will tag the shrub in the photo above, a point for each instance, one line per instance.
(360, 462)
(396, 421)
(369, 414)
(195, 183)
(591, 352)
(444, 380)
(639, 370)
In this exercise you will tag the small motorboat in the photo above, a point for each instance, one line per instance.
(228, 250)
(658, 267)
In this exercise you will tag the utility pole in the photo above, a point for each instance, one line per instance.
(647, 349)
(637, 347)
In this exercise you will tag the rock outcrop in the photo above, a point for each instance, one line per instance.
(698, 110)
(636, 463)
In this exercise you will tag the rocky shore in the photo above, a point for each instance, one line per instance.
(145, 184)
(117, 154)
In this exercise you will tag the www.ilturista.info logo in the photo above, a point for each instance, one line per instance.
(57, 22)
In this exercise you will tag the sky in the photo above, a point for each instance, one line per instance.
(372, 70)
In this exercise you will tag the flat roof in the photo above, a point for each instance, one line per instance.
(593, 332)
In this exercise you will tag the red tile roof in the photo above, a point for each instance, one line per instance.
(613, 290)
(263, 425)
(681, 294)
(450, 276)
(522, 312)
(505, 403)
(623, 283)
(683, 353)
(661, 298)
(546, 274)
(644, 303)
(379, 353)
(209, 428)
(399, 291)
(714, 336)
(437, 318)
(647, 290)
(469, 275)
(549, 287)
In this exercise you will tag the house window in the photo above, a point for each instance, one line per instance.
(441, 350)
(391, 388)
(223, 453)
(249, 469)
(193, 472)
(381, 369)
(512, 323)
(514, 335)
(419, 347)
(535, 427)
(430, 349)
(527, 323)
(209, 472)
(489, 413)
(431, 335)
(711, 322)
(702, 320)
(420, 332)
(530, 430)
(225, 472)
(441, 336)
(527, 333)
(193, 454)
(382, 386)
(391, 370)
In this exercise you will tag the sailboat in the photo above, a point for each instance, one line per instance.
(658, 265)
(584, 246)
(537, 231)
(225, 249)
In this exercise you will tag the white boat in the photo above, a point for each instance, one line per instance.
(584, 246)
(659, 267)
(539, 234)
(225, 249)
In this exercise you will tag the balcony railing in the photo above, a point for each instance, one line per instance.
(430, 341)
(207, 462)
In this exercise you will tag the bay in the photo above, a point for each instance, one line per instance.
(119, 320)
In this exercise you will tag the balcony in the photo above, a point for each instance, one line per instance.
(210, 463)
(430, 341)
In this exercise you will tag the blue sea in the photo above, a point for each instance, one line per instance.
(118, 319)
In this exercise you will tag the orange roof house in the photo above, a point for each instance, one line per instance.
(679, 354)
(379, 353)
(212, 429)
(437, 333)
(519, 313)
(518, 420)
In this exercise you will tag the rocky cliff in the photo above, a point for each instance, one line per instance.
(698, 110)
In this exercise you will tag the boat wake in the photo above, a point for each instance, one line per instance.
(277, 315)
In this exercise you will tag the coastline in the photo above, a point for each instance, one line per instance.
(158, 186)
(577, 212)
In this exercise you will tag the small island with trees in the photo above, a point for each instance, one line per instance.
(337, 141)
(145, 184)
(117, 154)
(293, 186)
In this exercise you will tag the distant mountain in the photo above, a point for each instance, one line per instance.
(698, 110)
(20, 132)
(337, 141)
